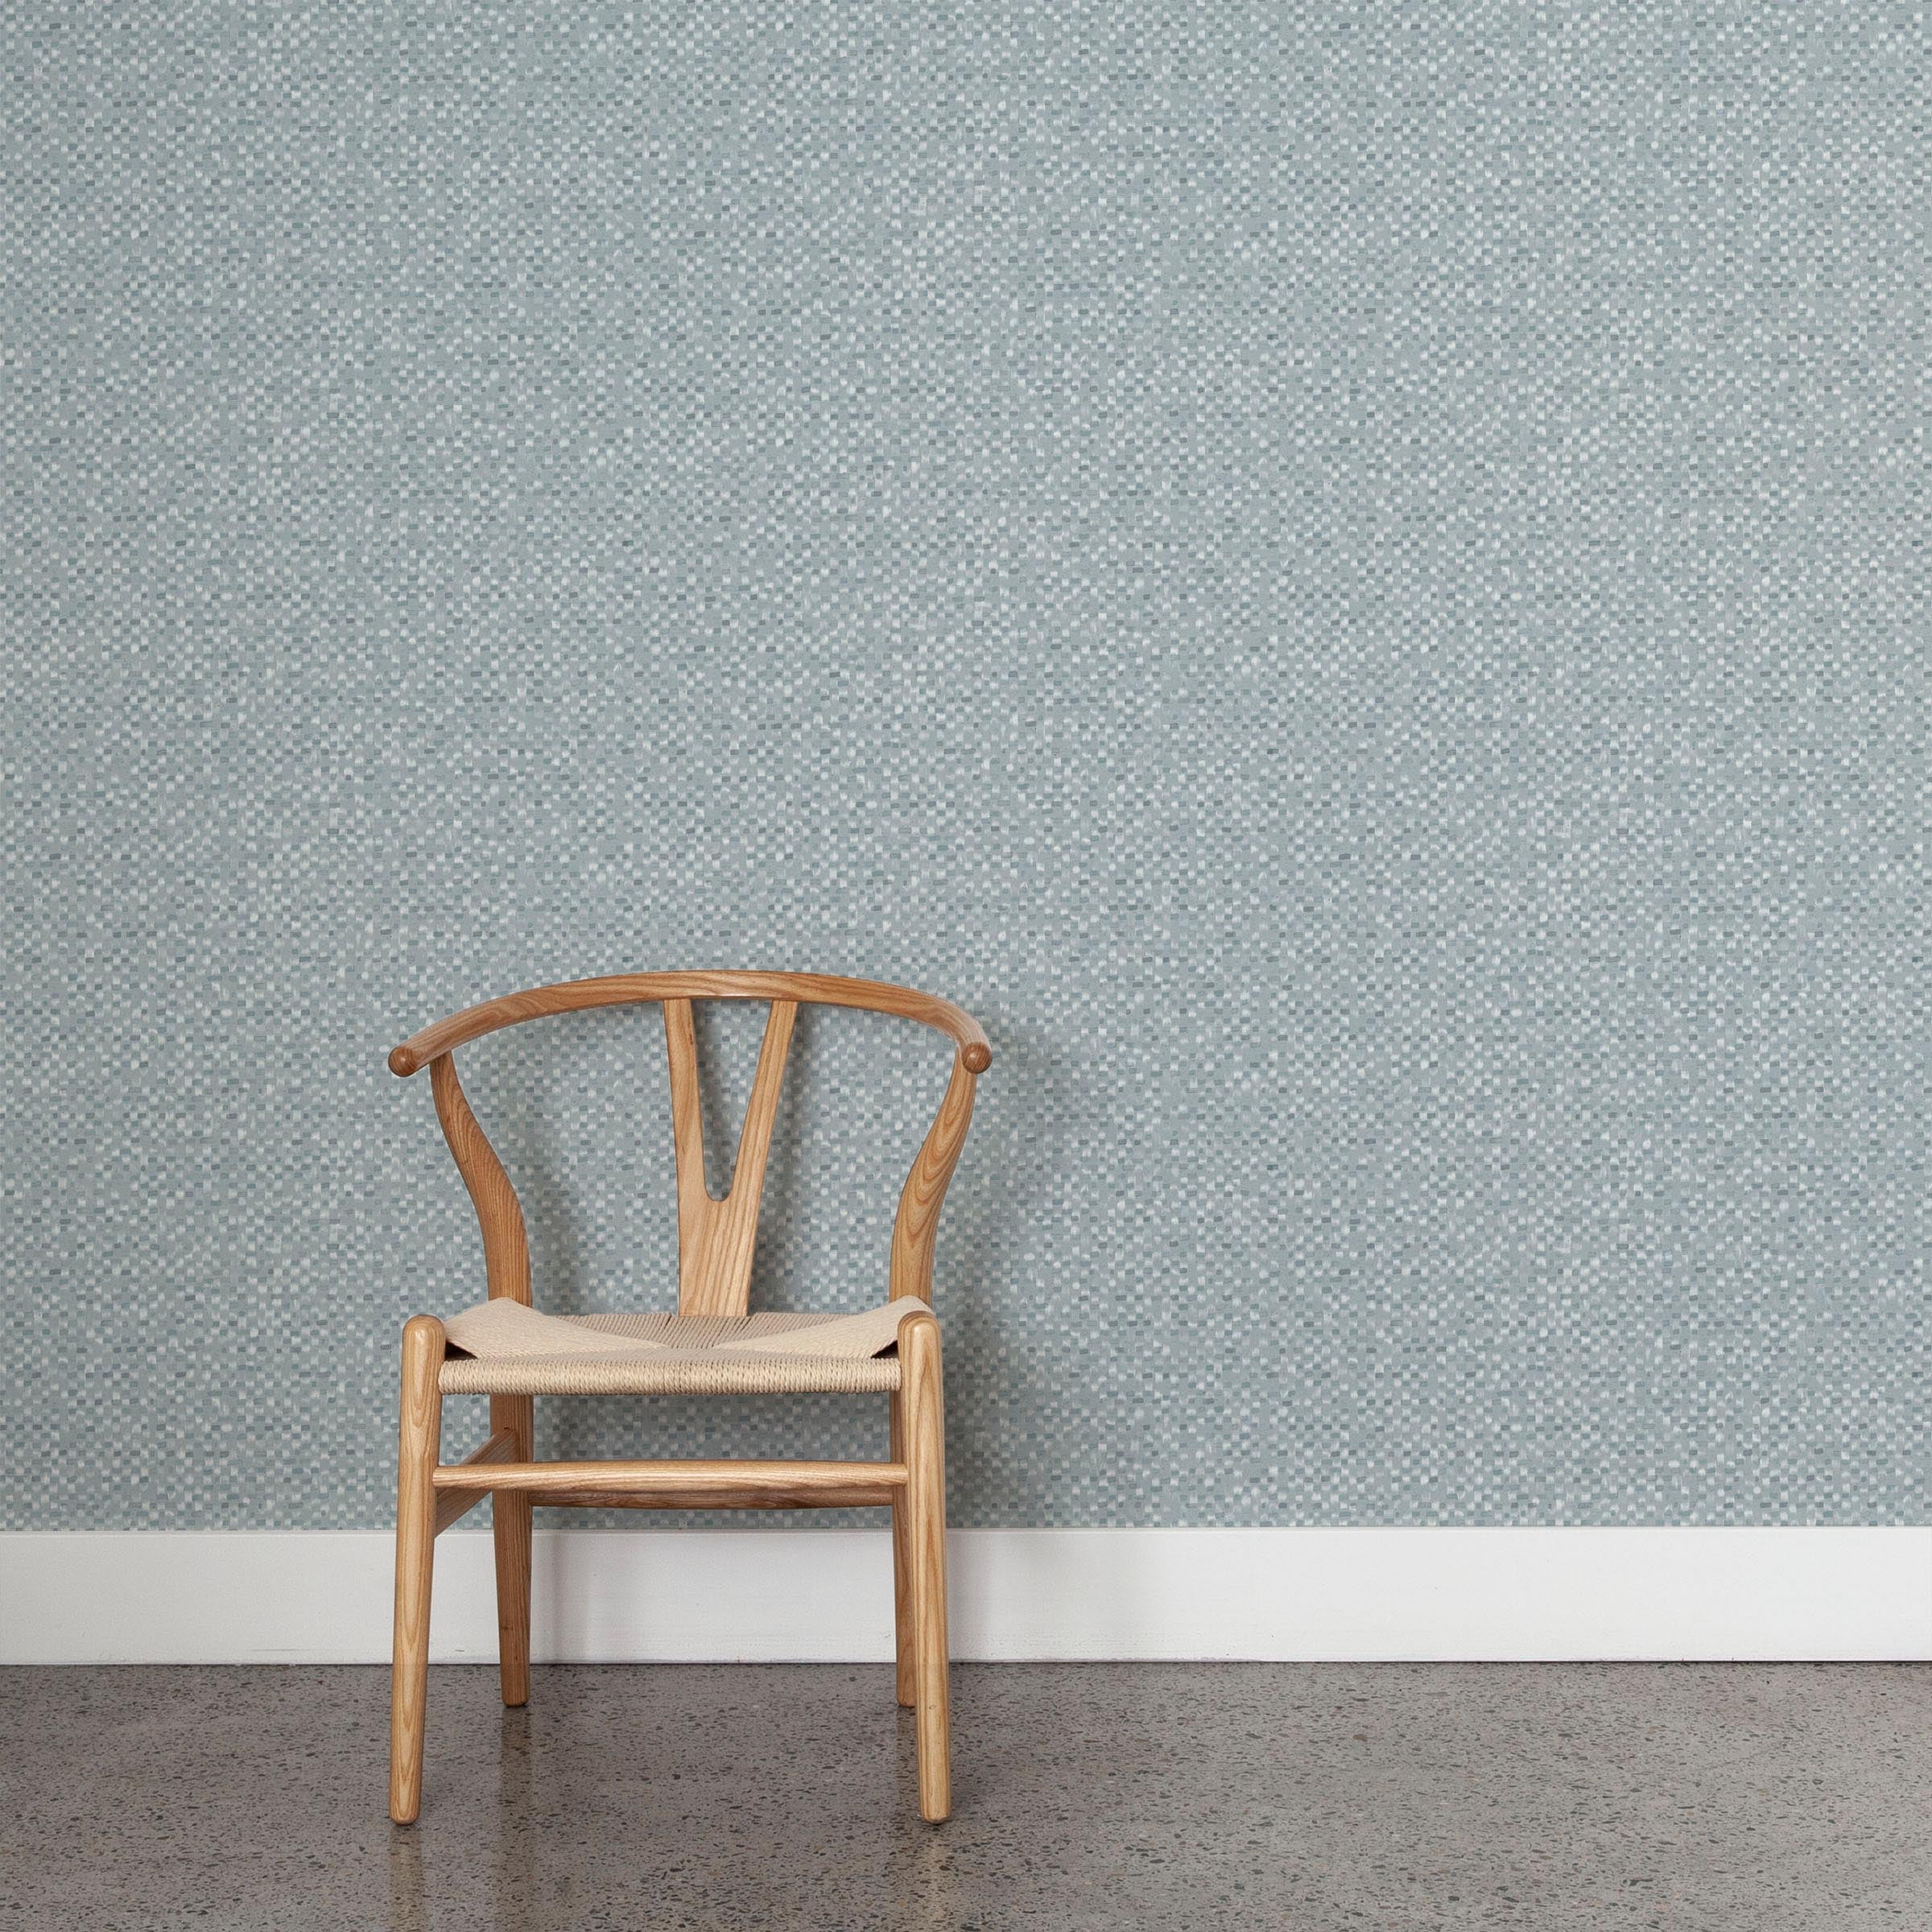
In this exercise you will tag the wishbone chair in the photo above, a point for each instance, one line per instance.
(712, 1345)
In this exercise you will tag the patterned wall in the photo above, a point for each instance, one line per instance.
(1351, 579)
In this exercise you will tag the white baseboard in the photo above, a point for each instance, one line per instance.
(708, 1596)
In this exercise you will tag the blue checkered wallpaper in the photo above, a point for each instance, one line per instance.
(1352, 581)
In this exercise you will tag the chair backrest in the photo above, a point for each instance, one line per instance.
(715, 1234)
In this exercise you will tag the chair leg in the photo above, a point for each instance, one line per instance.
(420, 1444)
(925, 1440)
(901, 1569)
(511, 1514)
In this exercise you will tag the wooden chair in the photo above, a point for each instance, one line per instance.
(714, 1241)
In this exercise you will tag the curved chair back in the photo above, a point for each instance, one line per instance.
(715, 1234)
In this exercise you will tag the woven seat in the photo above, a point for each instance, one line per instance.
(681, 1355)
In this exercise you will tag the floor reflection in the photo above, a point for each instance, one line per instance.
(408, 1911)
(507, 1847)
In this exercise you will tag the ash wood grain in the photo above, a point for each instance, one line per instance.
(453, 1505)
(716, 1237)
(915, 1228)
(847, 1496)
(640, 988)
(778, 1481)
(905, 1681)
(925, 1441)
(420, 1440)
(506, 1244)
(515, 1416)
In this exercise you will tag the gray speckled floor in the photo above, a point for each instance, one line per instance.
(1410, 1796)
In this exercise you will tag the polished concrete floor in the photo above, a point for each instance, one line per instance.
(1411, 1797)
